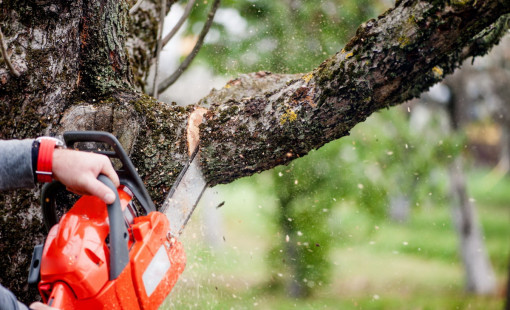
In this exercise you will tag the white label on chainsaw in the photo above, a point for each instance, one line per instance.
(156, 271)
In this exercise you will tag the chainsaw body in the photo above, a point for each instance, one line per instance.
(108, 257)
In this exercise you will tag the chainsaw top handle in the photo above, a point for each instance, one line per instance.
(127, 173)
(119, 253)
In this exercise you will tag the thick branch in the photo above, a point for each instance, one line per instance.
(390, 60)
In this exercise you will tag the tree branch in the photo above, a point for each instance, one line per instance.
(3, 50)
(488, 38)
(135, 7)
(390, 60)
(158, 48)
(184, 65)
(180, 22)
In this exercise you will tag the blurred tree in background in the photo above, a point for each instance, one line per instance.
(386, 157)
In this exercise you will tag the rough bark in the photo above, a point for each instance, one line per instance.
(75, 74)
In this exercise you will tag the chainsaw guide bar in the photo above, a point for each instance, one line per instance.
(184, 195)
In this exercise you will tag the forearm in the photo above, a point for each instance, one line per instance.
(8, 301)
(16, 164)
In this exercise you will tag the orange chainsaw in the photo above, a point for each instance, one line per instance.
(121, 256)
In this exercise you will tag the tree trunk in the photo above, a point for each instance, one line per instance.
(504, 153)
(76, 73)
(399, 207)
(480, 278)
(293, 278)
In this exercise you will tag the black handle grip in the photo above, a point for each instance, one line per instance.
(48, 203)
(119, 253)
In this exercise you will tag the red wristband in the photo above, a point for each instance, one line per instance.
(45, 160)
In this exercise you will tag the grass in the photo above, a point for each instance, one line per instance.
(378, 264)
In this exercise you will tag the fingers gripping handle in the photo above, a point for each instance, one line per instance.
(119, 253)
(127, 173)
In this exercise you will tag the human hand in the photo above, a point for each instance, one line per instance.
(40, 306)
(78, 171)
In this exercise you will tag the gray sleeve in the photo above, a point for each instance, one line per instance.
(16, 164)
(8, 301)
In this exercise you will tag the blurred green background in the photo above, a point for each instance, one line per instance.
(373, 262)
(365, 222)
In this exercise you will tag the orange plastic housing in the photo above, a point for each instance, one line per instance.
(75, 261)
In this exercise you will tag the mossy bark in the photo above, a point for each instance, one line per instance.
(76, 74)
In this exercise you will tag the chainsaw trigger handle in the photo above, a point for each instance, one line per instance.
(119, 253)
